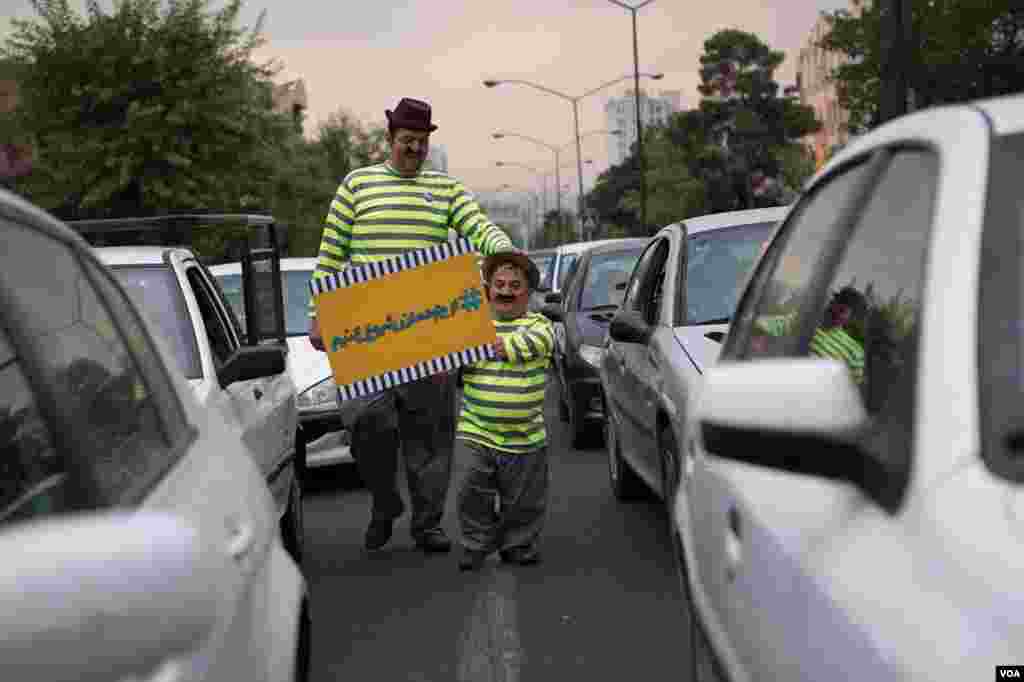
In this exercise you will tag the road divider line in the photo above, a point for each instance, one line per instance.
(490, 649)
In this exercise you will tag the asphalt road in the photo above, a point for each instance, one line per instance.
(604, 605)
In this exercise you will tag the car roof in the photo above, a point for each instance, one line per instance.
(541, 252)
(287, 265)
(714, 221)
(577, 247)
(613, 245)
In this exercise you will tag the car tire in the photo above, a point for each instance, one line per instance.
(292, 528)
(625, 483)
(303, 645)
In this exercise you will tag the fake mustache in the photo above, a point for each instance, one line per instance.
(505, 299)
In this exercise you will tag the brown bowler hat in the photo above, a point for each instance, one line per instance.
(411, 114)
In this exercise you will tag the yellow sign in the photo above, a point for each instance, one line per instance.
(395, 321)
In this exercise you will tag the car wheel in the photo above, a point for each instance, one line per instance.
(292, 529)
(303, 645)
(626, 485)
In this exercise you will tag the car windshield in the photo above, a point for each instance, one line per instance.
(155, 290)
(607, 276)
(718, 263)
(565, 269)
(544, 263)
(296, 299)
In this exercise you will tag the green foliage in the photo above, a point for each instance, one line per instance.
(146, 110)
(960, 51)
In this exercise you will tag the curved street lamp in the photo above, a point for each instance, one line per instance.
(633, 9)
(574, 100)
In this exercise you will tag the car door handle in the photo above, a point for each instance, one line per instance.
(257, 393)
(733, 545)
(241, 539)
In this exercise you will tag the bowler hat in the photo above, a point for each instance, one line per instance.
(516, 258)
(411, 114)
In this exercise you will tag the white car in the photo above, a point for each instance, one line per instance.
(325, 423)
(138, 535)
(184, 302)
(862, 518)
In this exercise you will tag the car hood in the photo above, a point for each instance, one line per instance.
(702, 343)
(307, 365)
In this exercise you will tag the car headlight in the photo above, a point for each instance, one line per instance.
(592, 355)
(320, 396)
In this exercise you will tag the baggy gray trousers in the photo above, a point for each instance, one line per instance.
(417, 420)
(503, 499)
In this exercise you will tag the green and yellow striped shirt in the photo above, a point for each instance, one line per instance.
(377, 213)
(503, 400)
(831, 342)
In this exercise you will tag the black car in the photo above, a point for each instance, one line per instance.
(581, 320)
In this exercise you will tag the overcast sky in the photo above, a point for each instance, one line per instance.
(364, 56)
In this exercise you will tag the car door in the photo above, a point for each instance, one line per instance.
(103, 426)
(778, 556)
(634, 364)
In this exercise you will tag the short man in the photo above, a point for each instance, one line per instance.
(503, 499)
(831, 339)
(379, 212)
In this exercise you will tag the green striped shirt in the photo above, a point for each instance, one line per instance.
(377, 213)
(832, 342)
(503, 400)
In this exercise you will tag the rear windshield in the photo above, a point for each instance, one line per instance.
(544, 263)
(155, 291)
(296, 299)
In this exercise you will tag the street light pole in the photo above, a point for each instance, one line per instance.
(574, 100)
(579, 168)
(636, 94)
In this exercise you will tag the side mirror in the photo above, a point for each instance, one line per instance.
(554, 297)
(800, 415)
(107, 596)
(553, 312)
(628, 326)
(251, 362)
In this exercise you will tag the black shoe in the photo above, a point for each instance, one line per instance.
(378, 534)
(472, 560)
(520, 558)
(434, 543)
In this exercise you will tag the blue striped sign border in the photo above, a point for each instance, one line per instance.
(442, 363)
(371, 271)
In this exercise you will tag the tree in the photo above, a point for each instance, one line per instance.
(146, 109)
(348, 143)
(961, 51)
(743, 115)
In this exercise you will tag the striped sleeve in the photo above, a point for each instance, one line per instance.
(468, 219)
(535, 342)
(335, 243)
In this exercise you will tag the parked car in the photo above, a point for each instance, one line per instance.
(324, 424)
(545, 261)
(560, 269)
(864, 515)
(591, 299)
(184, 302)
(681, 297)
(138, 535)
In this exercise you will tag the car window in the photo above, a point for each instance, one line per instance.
(156, 292)
(222, 343)
(566, 269)
(718, 263)
(545, 264)
(789, 266)
(632, 299)
(31, 472)
(100, 394)
(296, 301)
(605, 282)
(231, 285)
(869, 312)
(650, 294)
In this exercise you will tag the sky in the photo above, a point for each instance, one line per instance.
(364, 56)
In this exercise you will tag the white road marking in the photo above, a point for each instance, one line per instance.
(490, 649)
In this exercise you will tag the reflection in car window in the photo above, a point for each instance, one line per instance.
(717, 266)
(606, 278)
(31, 473)
(155, 291)
(544, 263)
(296, 299)
(101, 395)
(566, 268)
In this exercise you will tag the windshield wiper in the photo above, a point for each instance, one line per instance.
(716, 320)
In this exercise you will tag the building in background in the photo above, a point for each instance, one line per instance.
(16, 154)
(620, 114)
(516, 214)
(818, 91)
